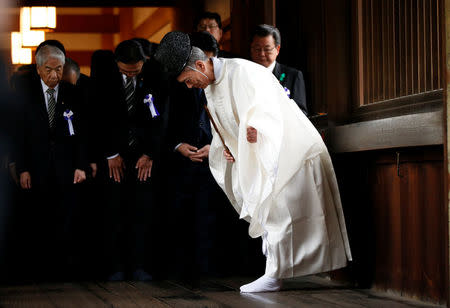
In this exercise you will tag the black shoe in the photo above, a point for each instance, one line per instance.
(117, 276)
(141, 275)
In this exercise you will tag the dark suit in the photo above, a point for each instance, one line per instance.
(51, 156)
(293, 81)
(197, 201)
(130, 202)
(226, 54)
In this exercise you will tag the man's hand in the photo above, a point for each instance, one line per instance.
(188, 151)
(94, 169)
(25, 180)
(228, 156)
(79, 176)
(201, 154)
(252, 134)
(116, 168)
(144, 166)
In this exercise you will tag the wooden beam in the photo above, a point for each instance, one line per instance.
(156, 21)
(403, 131)
(97, 3)
(88, 23)
(106, 23)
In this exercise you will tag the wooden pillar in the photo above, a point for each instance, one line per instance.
(245, 15)
(445, 38)
(126, 23)
(107, 38)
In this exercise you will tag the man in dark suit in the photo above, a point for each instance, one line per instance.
(73, 75)
(51, 154)
(264, 50)
(212, 23)
(131, 107)
(195, 207)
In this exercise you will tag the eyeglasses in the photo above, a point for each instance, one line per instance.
(204, 27)
(267, 50)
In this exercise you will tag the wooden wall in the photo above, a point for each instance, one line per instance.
(395, 208)
(397, 217)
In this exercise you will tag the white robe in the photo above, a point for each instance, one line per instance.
(284, 184)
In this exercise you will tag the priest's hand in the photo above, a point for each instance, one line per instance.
(116, 168)
(189, 151)
(144, 166)
(25, 180)
(252, 134)
(202, 153)
(79, 176)
(228, 156)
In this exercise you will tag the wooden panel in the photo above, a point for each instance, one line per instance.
(398, 40)
(88, 23)
(407, 130)
(434, 277)
(408, 223)
(413, 242)
(387, 218)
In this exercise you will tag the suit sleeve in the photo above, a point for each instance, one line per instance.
(20, 150)
(81, 154)
(299, 93)
(180, 115)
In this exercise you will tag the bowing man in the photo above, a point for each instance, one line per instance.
(270, 161)
(131, 106)
(51, 156)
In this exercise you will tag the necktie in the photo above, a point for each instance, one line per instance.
(51, 107)
(129, 95)
(129, 98)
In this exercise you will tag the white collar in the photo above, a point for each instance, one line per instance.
(46, 87)
(217, 65)
(271, 67)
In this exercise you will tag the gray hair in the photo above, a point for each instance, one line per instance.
(48, 51)
(72, 65)
(196, 54)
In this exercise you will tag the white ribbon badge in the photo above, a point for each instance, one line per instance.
(148, 101)
(68, 115)
(288, 92)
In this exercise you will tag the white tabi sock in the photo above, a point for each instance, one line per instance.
(262, 284)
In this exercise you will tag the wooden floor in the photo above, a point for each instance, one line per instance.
(310, 291)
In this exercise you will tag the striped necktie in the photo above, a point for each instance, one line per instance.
(129, 98)
(129, 95)
(51, 107)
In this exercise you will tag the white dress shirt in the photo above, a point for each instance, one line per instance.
(46, 95)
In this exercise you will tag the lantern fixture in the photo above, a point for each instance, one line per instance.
(19, 55)
(43, 18)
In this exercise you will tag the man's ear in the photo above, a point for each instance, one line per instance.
(200, 64)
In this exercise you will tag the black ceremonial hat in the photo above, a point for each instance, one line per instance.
(173, 52)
